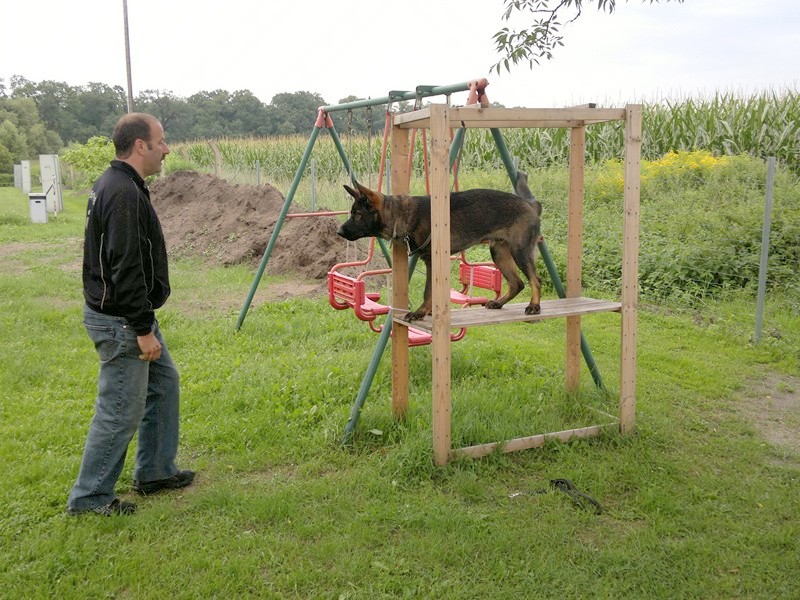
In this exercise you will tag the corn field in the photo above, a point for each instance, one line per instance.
(763, 125)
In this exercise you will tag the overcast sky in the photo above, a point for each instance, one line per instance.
(369, 47)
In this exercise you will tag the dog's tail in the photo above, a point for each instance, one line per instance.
(523, 191)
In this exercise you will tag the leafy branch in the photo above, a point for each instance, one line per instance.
(538, 42)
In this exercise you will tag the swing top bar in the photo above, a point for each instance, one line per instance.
(422, 91)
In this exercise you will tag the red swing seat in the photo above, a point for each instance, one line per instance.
(485, 276)
(350, 292)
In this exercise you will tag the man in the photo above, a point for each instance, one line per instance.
(125, 278)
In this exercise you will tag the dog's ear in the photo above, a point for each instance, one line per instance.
(352, 192)
(375, 199)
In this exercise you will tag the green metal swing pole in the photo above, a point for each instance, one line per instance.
(547, 258)
(278, 224)
(394, 96)
(372, 368)
(366, 382)
(455, 145)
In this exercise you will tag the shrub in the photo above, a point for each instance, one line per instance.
(175, 163)
(701, 224)
(91, 158)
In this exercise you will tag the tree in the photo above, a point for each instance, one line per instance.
(25, 135)
(43, 141)
(52, 99)
(75, 113)
(21, 111)
(95, 107)
(167, 108)
(13, 140)
(539, 41)
(6, 160)
(249, 115)
(210, 114)
(293, 112)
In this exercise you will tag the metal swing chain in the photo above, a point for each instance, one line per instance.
(350, 246)
(369, 144)
(350, 141)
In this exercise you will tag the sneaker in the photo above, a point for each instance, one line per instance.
(115, 507)
(179, 480)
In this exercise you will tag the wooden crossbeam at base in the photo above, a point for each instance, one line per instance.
(533, 441)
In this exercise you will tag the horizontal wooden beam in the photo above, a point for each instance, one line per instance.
(470, 117)
(533, 441)
(515, 313)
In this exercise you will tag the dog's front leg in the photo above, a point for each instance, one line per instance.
(423, 311)
(426, 307)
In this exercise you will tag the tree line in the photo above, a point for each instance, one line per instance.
(43, 117)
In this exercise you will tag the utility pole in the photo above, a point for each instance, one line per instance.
(128, 55)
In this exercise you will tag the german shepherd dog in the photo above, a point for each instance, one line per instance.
(509, 222)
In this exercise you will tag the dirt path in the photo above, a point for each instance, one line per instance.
(773, 407)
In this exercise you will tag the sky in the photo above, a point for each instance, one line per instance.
(366, 48)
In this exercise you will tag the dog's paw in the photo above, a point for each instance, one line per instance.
(533, 309)
(413, 316)
(494, 304)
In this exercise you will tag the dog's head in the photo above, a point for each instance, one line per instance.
(365, 214)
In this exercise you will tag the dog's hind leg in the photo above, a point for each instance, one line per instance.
(501, 255)
(526, 261)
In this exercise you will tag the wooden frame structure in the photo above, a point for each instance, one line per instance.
(440, 118)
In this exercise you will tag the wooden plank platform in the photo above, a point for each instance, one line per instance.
(514, 313)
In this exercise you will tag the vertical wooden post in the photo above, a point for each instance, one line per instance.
(217, 158)
(440, 267)
(630, 267)
(577, 153)
(400, 175)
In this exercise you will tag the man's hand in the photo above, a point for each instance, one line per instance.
(150, 347)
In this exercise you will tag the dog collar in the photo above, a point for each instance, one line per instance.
(419, 249)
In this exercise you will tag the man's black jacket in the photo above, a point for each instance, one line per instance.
(125, 270)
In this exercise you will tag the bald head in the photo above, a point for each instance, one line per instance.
(139, 141)
(132, 127)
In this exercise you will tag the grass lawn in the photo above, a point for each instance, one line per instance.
(702, 502)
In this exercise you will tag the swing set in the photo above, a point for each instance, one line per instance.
(350, 292)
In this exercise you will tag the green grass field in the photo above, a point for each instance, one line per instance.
(702, 502)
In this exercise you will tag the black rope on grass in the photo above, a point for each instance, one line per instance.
(566, 486)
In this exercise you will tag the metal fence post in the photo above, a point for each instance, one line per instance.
(762, 266)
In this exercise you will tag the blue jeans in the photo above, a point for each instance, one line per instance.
(132, 394)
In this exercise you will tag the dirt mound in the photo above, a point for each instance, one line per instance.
(202, 215)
